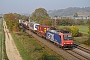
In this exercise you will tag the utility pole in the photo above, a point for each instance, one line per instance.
(29, 18)
(55, 20)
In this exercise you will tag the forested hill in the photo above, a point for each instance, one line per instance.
(70, 11)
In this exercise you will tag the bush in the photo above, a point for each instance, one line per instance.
(88, 22)
(89, 33)
(88, 41)
(66, 29)
(74, 31)
(48, 57)
(66, 22)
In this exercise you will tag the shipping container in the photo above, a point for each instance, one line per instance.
(33, 26)
(41, 30)
(53, 36)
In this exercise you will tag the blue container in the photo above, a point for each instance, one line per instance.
(53, 36)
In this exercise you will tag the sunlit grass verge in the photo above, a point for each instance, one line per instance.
(21, 49)
(31, 49)
(4, 55)
(2, 42)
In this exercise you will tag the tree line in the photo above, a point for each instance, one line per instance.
(12, 21)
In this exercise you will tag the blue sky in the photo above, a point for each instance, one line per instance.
(28, 6)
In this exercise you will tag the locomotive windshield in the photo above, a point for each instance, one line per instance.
(36, 26)
(68, 37)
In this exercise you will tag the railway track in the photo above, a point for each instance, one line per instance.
(77, 53)
(82, 51)
(79, 57)
(82, 48)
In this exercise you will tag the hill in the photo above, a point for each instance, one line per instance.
(70, 11)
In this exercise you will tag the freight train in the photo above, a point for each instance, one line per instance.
(62, 38)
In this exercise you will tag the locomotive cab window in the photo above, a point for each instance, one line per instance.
(36, 26)
(67, 37)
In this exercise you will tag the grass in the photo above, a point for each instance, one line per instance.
(31, 49)
(80, 40)
(21, 49)
(0, 47)
(83, 29)
(0, 40)
(3, 55)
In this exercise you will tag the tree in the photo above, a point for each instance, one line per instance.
(12, 21)
(66, 22)
(88, 41)
(23, 17)
(79, 22)
(74, 31)
(89, 32)
(75, 15)
(88, 22)
(47, 22)
(39, 15)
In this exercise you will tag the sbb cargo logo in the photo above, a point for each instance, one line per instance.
(50, 36)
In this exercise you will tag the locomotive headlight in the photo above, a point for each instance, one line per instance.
(64, 43)
(71, 43)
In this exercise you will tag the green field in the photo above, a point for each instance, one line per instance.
(83, 29)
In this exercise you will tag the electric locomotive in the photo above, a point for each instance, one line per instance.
(60, 37)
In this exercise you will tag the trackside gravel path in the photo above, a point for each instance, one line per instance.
(11, 49)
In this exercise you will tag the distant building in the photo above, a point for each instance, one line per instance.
(82, 17)
(1, 15)
(62, 17)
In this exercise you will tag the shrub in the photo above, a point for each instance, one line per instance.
(88, 22)
(74, 31)
(48, 57)
(88, 41)
(66, 29)
(89, 33)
